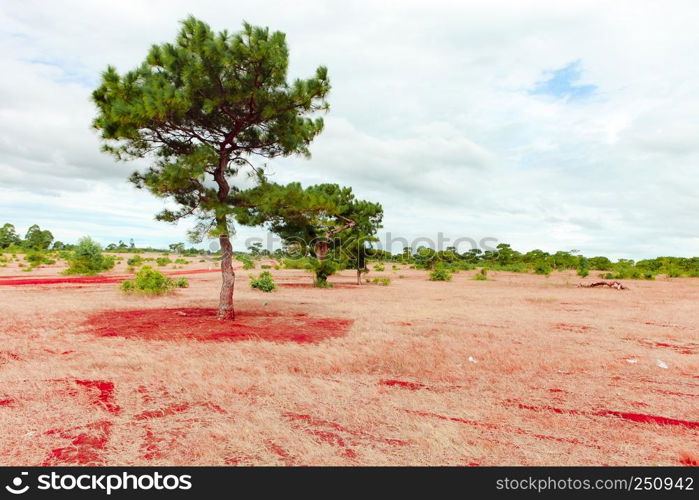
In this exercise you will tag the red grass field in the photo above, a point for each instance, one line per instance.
(518, 370)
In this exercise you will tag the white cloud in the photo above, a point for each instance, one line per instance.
(431, 114)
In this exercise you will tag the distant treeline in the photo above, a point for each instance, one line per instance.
(37, 239)
(502, 258)
(505, 258)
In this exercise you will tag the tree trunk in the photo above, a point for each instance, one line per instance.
(359, 276)
(321, 250)
(225, 305)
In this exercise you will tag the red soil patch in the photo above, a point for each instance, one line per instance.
(413, 386)
(682, 349)
(193, 271)
(673, 393)
(152, 445)
(6, 402)
(678, 348)
(7, 356)
(202, 325)
(105, 398)
(169, 410)
(89, 280)
(87, 444)
(57, 281)
(689, 459)
(281, 452)
(572, 328)
(634, 417)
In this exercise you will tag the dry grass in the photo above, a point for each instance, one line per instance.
(519, 370)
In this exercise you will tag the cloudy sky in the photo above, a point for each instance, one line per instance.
(545, 124)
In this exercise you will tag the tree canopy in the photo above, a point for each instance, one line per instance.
(316, 219)
(201, 109)
(37, 239)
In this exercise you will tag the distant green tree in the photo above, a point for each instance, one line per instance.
(203, 106)
(9, 236)
(87, 258)
(36, 239)
(176, 248)
(315, 219)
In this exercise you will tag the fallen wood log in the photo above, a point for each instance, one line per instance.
(610, 284)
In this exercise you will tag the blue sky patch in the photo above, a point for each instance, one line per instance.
(562, 83)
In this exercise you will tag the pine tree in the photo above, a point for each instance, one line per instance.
(201, 109)
(318, 218)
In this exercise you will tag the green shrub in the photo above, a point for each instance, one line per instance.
(38, 259)
(302, 263)
(440, 273)
(277, 267)
(673, 272)
(265, 266)
(135, 261)
(542, 268)
(87, 258)
(152, 282)
(379, 268)
(394, 267)
(248, 263)
(481, 275)
(163, 261)
(323, 269)
(263, 282)
(181, 261)
(181, 283)
(384, 281)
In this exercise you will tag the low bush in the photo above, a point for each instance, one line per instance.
(383, 281)
(135, 261)
(379, 268)
(263, 282)
(440, 274)
(322, 270)
(163, 261)
(248, 263)
(542, 268)
(152, 282)
(265, 266)
(481, 275)
(38, 259)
